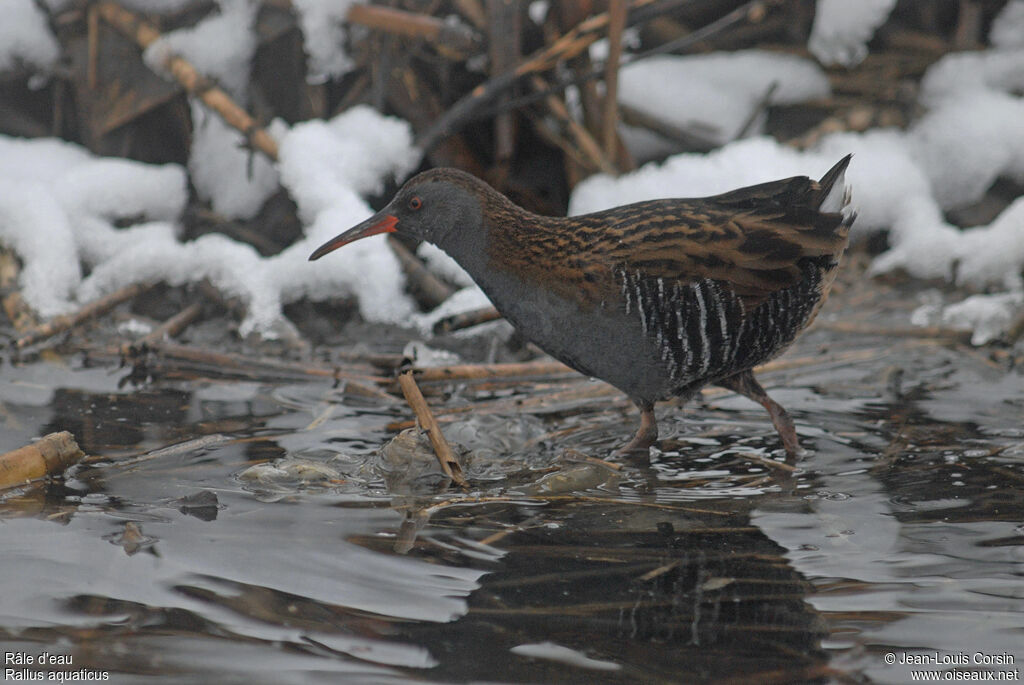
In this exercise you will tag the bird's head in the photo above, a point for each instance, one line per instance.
(441, 206)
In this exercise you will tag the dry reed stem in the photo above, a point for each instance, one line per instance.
(145, 34)
(451, 37)
(361, 384)
(433, 290)
(51, 455)
(543, 499)
(610, 115)
(63, 322)
(168, 329)
(566, 47)
(492, 371)
(449, 464)
(584, 142)
(475, 317)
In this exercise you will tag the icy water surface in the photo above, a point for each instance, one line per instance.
(899, 538)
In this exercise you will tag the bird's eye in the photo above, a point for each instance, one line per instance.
(415, 202)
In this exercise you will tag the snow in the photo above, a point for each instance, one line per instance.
(326, 165)
(978, 257)
(233, 179)
(357, 149)
(964, 74)
(322, 27)
(1007, 30)
(111, 189)
(842, 29)
(60, 204)
(988, 315)
(36, 160)
(717, 93)
(34, 225)
(58, 208)
(25, 38)
(464, 300)
(219, 47)
(983, 132)
(438, 261)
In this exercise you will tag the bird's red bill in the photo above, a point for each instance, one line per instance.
(372, 226)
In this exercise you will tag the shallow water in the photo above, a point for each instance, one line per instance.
(901, 533)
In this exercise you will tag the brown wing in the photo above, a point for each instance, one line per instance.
(752, 238)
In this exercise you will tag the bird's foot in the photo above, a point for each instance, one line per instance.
(645, 436)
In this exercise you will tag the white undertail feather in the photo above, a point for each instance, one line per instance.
(838, 199)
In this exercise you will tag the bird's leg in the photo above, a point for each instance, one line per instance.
(745, 384)
(645, 435)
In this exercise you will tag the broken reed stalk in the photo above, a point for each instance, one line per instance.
(698, 138)
(610, 115)
(63, 322)
(584, 142)
(145, 34)
(229, 364)
(857, 328)
(492, 371)
(449, 464)
(562, 401)
(51, 455)
(452, 36)
(568, 46)
(168, 329)
(474, 317)
(433, 290)
(516, 499)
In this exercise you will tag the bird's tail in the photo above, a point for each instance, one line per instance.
(834, 193)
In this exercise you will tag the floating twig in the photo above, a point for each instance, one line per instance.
(175, 450)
